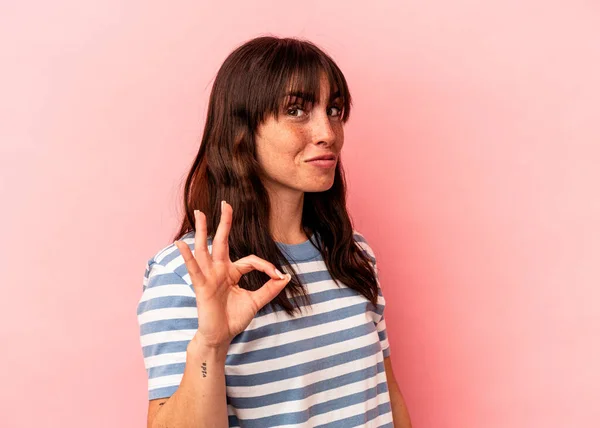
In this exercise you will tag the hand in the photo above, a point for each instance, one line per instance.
(225, 309)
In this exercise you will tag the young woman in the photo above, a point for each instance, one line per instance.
(227, 339)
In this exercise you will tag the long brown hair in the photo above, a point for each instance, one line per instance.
(248, 88)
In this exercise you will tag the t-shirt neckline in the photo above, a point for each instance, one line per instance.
(302, 251)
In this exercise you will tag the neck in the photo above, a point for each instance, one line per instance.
(286, 217)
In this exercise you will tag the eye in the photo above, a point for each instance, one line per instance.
(294, 109)
(338, 111)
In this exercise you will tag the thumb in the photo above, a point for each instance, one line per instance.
(269, 290)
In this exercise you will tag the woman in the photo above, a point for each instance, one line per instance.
(317, 355)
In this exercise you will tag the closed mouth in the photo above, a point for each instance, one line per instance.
(331, 158)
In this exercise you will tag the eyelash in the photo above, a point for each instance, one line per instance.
(299, 107)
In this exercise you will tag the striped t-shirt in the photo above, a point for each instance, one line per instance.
(323, 368)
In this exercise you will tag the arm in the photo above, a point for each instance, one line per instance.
(215, 307)
(200, 400)
(399, 410)
(180, 395)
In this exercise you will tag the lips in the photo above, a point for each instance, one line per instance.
(326, 164)
(322, 157)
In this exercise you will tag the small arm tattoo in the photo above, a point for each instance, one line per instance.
(204, 372)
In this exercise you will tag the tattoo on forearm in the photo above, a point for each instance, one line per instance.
(204, 369)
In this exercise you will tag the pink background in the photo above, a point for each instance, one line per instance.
(472, 154)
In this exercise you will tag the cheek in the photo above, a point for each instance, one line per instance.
(285, 147)
(280, 153)
(339, 132)
(292, 145)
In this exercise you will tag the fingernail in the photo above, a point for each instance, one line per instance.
(222, 205)
(279, 274)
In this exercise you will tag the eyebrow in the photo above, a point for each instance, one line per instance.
(310, 97)
(299, 94)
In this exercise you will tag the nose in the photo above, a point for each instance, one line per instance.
(322, 130)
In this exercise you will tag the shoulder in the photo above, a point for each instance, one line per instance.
(168, 261)
(363, 244)
(166, 255)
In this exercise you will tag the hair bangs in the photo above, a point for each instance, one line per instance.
(293, 76)
(254, 82)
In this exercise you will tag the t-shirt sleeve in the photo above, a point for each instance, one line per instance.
(381, 327)
(168, 320)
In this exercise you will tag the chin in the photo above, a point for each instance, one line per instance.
(319, 187)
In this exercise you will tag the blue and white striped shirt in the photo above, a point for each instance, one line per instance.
(322, 368)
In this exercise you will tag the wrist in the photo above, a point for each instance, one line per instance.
(197, 349)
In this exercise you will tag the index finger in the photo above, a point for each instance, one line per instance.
(253, 262)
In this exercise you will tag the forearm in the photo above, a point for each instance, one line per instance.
(399, 409)
(200, 400)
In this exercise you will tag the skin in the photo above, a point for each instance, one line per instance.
(283, 145)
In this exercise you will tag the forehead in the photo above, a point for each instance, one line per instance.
(306, 91)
